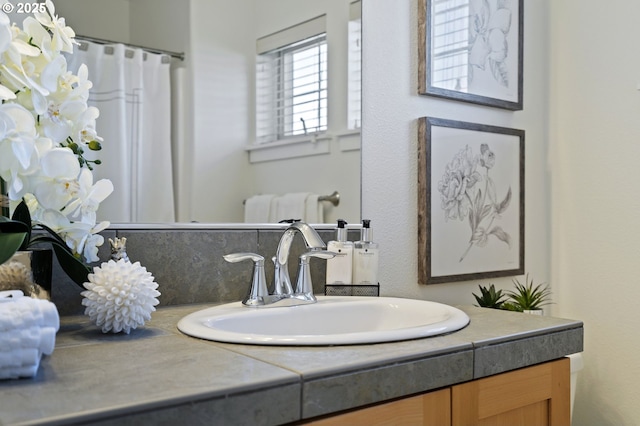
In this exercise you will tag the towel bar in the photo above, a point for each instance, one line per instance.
(334, 198)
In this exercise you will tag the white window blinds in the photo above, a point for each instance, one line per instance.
(291, 82)
(354, 111)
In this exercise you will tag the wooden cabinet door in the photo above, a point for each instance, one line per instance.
(537, 396)
(430, 409)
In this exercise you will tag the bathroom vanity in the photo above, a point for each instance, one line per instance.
(502, 362)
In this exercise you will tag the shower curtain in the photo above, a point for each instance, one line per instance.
(131, 88)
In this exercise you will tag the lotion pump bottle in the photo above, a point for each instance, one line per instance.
(340, 267)
(365, 257)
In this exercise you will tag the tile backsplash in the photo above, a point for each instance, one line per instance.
(188, 266)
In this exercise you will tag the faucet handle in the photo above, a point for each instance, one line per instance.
(258, 290)
(304, 286)
(238, 257)
(321, 254)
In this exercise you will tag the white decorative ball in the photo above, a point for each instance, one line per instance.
(120, 296)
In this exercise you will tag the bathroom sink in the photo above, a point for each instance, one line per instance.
(333, 320)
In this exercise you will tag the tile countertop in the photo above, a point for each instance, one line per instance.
(157, 375)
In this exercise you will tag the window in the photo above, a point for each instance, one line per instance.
(291, 83)
(354, 81)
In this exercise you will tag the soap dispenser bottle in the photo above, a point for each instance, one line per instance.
(365, 257)
(340, 267)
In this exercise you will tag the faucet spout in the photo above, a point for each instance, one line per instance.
(282, 281)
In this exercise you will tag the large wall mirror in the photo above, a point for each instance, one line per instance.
(217, 164)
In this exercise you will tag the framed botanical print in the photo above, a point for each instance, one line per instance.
(470, 201)
(472, 51)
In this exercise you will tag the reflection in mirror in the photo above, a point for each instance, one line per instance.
(214, 166)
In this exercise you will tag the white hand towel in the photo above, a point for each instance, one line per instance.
(27, 330)
(47, 340)
(258, 208)
(24, 312)
(18, 372)
(291, 206)
(19, 358)
(20, 338)
(314, 212)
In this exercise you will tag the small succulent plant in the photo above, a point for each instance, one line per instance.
(527, 297)
(490, 298)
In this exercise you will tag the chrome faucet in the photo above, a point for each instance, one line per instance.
(283, 291)
(282, 282)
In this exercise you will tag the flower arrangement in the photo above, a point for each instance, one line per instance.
(46, 127)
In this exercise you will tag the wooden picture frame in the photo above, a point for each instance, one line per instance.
(470, 201)
(472, 52)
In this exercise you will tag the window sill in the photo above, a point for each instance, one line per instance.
(303, 147)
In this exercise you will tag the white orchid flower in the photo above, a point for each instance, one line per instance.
(62, 35)
(6, 93)
(84, 130)
(5, 32)
(83, 238)
(18, 156)
(59, 120)
(80, 237)
(43, 108)
(57, 184)
(85, 206)
(36, 32)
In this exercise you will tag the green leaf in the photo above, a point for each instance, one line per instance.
(490, 298)
(12, 226)
(528, 297)
(21, 214)
(71, 265)
(9, 244)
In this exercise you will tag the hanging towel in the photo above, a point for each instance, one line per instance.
(27, 331)
(314, 211)
(257, 209)
(291, 206)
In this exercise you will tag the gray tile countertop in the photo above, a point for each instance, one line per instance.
(157, 375)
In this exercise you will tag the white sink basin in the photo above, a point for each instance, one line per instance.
(333, 320)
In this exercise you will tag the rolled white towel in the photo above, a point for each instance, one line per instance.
(29, 337)
(21, 311)
(19, 358)
(18, 372)
(47, 340)
(27, 330)
(41, 338)
(49, 312)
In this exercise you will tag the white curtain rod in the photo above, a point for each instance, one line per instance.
(177, 55)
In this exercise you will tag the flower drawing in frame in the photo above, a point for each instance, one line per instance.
(472, 51)
(471, 201)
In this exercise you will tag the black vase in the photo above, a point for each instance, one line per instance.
(41, 267)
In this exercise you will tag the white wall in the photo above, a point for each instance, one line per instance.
(594, 152)
(581, 107)
(222, 62)
(96, 18)
(389, 151)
